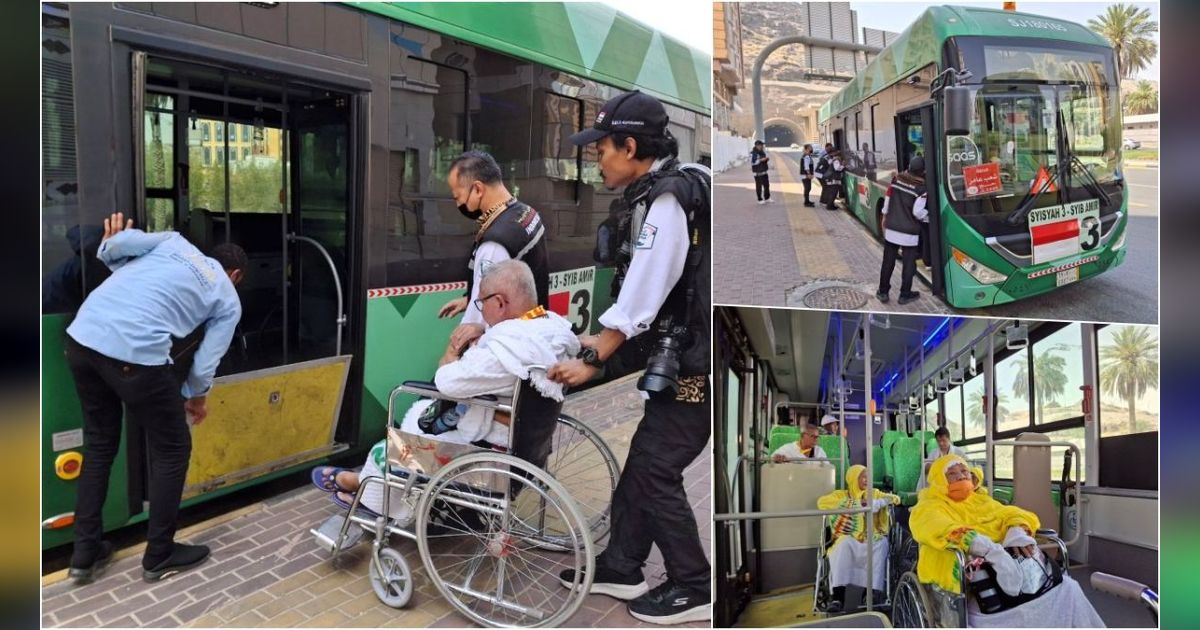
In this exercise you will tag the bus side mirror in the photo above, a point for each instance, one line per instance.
(957, 103)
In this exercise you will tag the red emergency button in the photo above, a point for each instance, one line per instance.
(68, 465)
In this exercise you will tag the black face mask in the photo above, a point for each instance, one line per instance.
(467, 212)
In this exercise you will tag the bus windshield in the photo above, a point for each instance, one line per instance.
(1028, 98)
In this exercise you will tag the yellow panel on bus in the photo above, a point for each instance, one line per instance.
(266, 420)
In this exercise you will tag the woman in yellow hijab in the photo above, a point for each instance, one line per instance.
(952, 515)
(848, 556)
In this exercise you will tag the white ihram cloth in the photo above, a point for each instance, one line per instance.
(848, 563)
(1064, 606)
(501, 357)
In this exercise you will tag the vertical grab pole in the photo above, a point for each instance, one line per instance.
(870, 405)
(989, 413)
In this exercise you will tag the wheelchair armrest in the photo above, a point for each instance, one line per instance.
(1046, 533)
(428, 389)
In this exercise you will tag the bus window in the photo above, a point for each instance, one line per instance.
(1128, 369)
(1058, 375)
(953, 414)
(1012, 390)
(974, 412)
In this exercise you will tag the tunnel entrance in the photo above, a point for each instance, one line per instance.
(779, 136)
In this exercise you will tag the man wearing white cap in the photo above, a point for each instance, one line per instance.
(831, 426)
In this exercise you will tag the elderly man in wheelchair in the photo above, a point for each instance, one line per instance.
(464, 477)
(981, 563)
(846, 558)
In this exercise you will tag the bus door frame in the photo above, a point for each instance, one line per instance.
(129, 186)
(930, 132)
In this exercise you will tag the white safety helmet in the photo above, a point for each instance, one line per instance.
(828, 419)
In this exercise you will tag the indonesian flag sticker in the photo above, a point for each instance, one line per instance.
(1055, 240)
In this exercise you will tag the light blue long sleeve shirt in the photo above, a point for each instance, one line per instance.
(161, 287)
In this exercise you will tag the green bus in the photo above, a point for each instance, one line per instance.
(318, 137)
(1018, 118)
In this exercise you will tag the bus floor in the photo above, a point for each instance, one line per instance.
(793, 606)
(267, 571)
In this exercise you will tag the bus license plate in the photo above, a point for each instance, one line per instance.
(1067, 276)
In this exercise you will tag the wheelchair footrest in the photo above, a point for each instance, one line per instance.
(327, 534)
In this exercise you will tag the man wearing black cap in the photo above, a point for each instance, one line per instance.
(663, 292)
(758, 166)
(903, 213)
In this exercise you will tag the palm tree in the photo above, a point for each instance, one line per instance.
(1128, 30)
(975, 410)
(1129, 366)
(1050, 379)
(1143, 100)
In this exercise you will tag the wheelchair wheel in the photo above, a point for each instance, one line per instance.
(910, 604)
(496, 567)
(391, 578)
(587, 469)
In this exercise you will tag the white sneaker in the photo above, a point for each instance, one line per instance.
(761, 202)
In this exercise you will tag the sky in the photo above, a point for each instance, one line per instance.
(887, 15)
(692, 27)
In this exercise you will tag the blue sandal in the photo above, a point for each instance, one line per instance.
(327, 482)
(342, 503)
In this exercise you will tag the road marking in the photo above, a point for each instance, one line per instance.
(1139, 205)
(1142, 185)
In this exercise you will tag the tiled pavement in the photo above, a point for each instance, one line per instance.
(776, 254)
(266, 570)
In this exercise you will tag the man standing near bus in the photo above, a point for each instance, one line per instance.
(507, 230)
(807, 169)
(758, 166)
(903, 213)
(118, 350)
(831, 176)
(661, 317)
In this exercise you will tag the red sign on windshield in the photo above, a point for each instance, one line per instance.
(982, 179)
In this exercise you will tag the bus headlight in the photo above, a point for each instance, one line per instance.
(984, 275)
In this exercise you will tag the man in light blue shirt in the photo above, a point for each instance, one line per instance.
(118, 349)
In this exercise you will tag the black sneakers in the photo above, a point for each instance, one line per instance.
(611, 583)
(882, 297)
(909, 297)
(85, 570)
(671, 603)
(183, 557)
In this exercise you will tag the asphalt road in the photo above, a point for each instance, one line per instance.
(1128, 293)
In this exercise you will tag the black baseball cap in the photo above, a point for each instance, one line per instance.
(632, 112)
(758, 142)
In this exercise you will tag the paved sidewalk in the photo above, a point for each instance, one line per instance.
(786, 254)
(266, 569)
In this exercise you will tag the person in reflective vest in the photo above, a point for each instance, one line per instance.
(903, 213)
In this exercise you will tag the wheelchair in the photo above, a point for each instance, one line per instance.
(494, 527)
(920, 605)
(823, 593)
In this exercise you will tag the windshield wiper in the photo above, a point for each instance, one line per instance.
(1090, 183)
(1016, 217)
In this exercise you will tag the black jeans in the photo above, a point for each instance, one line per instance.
(762, 186)
(907, 271)
(807, 187)
(151, 400)
(650, 505)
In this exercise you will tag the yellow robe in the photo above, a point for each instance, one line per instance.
(941, 525)
(854, 524)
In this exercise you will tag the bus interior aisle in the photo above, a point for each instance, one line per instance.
(816, 411)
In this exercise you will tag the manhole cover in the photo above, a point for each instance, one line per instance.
(836, 298)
